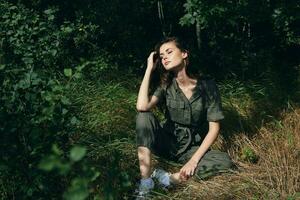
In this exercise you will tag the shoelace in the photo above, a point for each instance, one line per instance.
(162, 176)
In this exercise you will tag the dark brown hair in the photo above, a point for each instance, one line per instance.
(165, 77)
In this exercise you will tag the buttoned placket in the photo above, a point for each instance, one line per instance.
(188, 102)
(188, 106)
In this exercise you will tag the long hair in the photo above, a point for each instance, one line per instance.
(163, 77)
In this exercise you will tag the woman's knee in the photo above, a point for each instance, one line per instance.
(143, 120)
(145, 130)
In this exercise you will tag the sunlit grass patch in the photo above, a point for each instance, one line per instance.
(105, 108)
(275, 175)
(106, 111)
(263, 143)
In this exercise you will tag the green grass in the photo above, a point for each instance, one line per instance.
(253, 125)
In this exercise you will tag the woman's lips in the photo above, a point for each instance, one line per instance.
(166, 63)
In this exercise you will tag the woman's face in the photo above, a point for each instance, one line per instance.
(171, 56)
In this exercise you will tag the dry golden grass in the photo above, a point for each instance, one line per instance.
(268, 158)
(275, 175)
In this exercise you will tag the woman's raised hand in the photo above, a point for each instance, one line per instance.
(151, 63)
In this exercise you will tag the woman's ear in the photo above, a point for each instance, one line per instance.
(185, 54)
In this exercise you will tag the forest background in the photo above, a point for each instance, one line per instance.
(70, 72)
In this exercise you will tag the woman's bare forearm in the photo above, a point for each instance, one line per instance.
(209, 139)
(143, 95)
(188, 169)
(144, 103)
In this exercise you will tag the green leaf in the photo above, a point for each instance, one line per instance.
(53, 52)
(50, 17)
(56, 150)
(67, 29)
(49, 11)
(74, 121)
(78, 190)
(95, 176)
(27, 60)
(68, 72)
(64, 111)
(49, 163)
(13, 7)
(77, 153)
(65, 100)
(77, 75)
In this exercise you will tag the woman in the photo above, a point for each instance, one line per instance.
(192, 111)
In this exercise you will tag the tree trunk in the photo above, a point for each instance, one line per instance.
(198, 33)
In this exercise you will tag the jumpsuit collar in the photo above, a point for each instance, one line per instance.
(197, 91)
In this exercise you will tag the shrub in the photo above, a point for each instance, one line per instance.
(35, 111)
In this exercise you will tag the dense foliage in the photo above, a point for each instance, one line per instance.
(53, 54)
(36, 116)
(251, 39)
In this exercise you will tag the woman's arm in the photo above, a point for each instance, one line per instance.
(144, 103)
(189, 168)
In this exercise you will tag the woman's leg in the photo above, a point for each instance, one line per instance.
(144, 156)
(213, 163)
(147, 130)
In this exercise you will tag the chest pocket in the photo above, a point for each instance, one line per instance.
(176, 110)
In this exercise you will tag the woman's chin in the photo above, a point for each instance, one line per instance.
(168, 68)
(172, 68)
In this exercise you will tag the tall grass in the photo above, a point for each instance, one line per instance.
(276, 175)
(261, 138)
(107, 119)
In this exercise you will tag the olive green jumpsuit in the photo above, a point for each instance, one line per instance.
(186, 126)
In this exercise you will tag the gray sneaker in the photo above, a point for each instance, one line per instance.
(142, 195)
(143, 192)
(162, 177)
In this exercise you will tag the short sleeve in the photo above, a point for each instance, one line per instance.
(159, 93)
(214, 105)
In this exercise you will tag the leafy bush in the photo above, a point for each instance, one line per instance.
(35, 111)
(242, 37)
